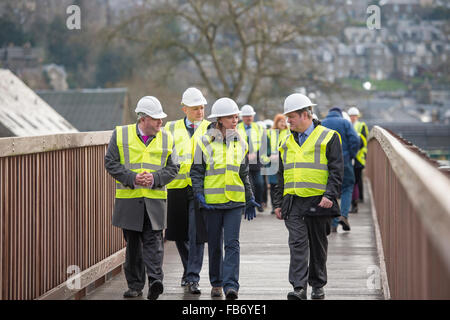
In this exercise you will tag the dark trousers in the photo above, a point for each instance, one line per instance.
(265, 189)
(359, 182)
(272, 195)
(144, 250)
(257, 183)
(223, 231)
(308, 246)
(191, 253)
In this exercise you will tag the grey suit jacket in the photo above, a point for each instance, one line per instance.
(129, 213)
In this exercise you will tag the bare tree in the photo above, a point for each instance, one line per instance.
(243, 49)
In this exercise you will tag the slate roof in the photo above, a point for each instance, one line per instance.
(89, 109)
(24, 113)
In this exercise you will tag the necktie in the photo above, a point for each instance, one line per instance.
(192, 126)
(145, 138)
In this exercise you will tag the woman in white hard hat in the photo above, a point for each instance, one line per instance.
(222, 191)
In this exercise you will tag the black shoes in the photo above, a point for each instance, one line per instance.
(260, 209)
(184, 283)
(317, 293)
(156, 288)
(297, 294)
(194, 288)
(131, 293)
(231, 294)
(343, 221)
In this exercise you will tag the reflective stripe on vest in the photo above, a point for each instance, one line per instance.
(183, 150)
(256, 133)
(138, 157)
(222, 182)
(275, 137)
(306, 167)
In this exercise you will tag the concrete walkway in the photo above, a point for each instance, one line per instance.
(352, 263)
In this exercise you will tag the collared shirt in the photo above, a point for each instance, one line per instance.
(189, 127)
(149, 138)
(303, 136)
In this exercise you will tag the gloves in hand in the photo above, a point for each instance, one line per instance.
(202, 203)
(250, 211)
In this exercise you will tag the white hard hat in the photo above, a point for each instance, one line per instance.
(151, 107)
(297, 101)
(224, 107)
(193, 97)
(346, 116)
(268, 123)
(353, 111)
(247, 110)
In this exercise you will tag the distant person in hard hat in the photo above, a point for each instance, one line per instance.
(309, 182)
(277, 133)
(181, 222)
(139, 158)
(222, 191)
(350, 145)
(267, 124)
(256, 137)
(360, 160)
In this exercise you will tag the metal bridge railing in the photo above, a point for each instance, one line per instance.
(55, 215)
(412, 204)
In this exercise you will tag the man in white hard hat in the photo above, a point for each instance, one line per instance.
(181, 215)
(309, 181)
(360, 160)
(139, 159)
(256, 137)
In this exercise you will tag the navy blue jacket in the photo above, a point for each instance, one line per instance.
(350, 139)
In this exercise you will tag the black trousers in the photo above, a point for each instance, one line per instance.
(144, 250)
(359, 181)
(308, 244)
(257, 184)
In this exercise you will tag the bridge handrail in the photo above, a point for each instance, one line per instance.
(14, 146)
(55, 216)
(413, 207)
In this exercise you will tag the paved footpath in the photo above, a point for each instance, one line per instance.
(352, 261)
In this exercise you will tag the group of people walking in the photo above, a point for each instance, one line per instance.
(196, 178)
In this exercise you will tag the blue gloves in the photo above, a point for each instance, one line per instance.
(201, 202)
(250, 212)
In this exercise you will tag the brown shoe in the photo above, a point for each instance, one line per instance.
(216, 292)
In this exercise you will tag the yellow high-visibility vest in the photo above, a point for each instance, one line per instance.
(222, 181)
(256, 134)
(138, 157)
(275, 137)
(359, 127)
(306, 167)
(183, 151)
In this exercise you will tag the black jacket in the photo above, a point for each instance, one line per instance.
(333, 190)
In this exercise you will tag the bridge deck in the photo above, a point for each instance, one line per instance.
(265, 262)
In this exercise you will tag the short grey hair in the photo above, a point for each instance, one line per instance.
(308, 110)
(141, 115)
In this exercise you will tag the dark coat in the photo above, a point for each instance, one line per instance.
(333, 190)
(197, 174)
(129, 213)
